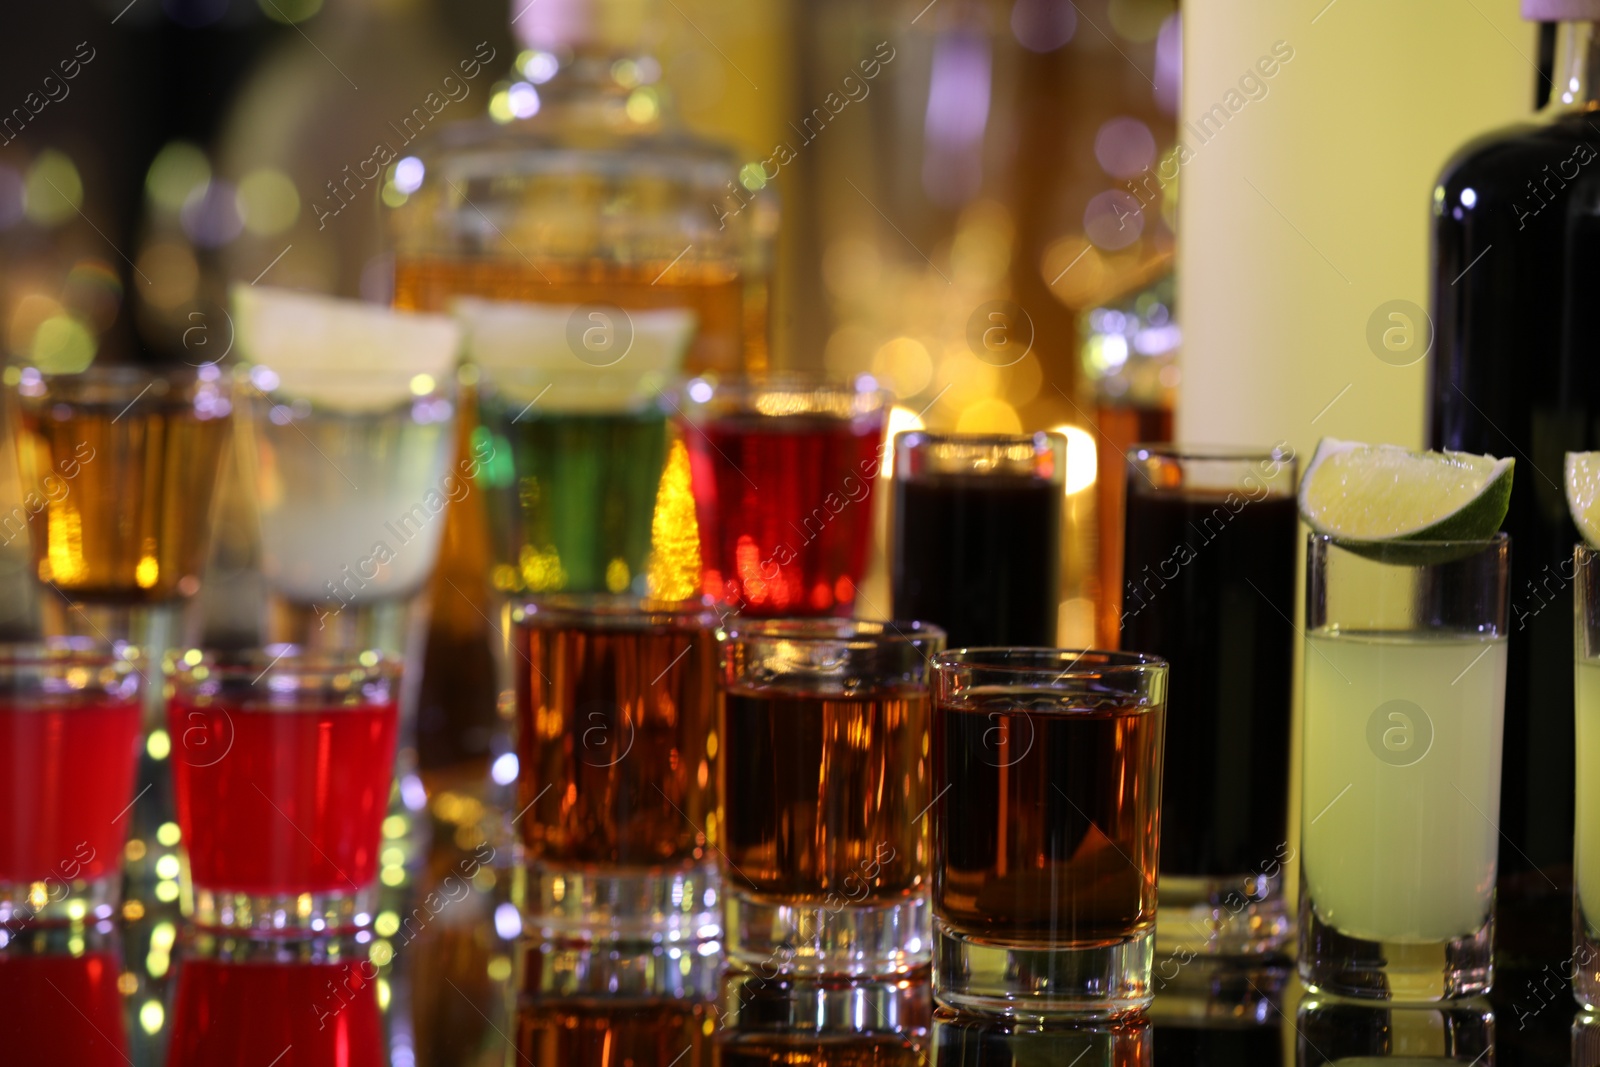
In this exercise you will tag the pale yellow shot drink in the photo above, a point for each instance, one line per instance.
(1402, 781)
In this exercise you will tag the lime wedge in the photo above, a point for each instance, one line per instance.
(1583, 494)
(1383, 494)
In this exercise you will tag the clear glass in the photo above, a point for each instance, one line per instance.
(119, 467)
(573, 502)
(825, 782)
(783, 471)
(70, 737)
(63, 1006)
(598, 198)
(1047, 766)
(1330, 1030)
(970, 1040)
(1405, 671)
(1209, 542)
(766, 1017)
(975, 535)
(282, 762)
(1586, 839)
(352, 474)
(617, 795)
(238, 997)
(581, 1004)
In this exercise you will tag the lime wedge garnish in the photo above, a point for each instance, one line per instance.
(1383, 494)
(1583, 494)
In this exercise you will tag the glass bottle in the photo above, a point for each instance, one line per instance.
(581, 189)
(1510, 374)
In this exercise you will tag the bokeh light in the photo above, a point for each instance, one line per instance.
(176, 172)
(211, 215)
(1124, 146)
(989, 415)
(1083, 458)
(1138, 20)
(1113, 220)
(1043, 25)
(289, 11)
(268, 202)
(53, 190)
(63, 344)
(903, 365)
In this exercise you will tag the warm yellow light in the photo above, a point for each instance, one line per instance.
(167, 866)
(151, 1016)
(169, 834)
(178, 170)
(989, 415)
(1083, 463)
(267, 201)
(901, 420)
(159, 745)
(53, 190)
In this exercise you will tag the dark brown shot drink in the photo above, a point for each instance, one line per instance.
(826, 784)
(618, 767)
(1209, 567)
(1047, 766)
(975, 539)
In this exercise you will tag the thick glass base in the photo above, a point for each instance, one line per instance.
(1245, 915)
(1585, 960)
(1404, 972)
(858, 940)
(55, 900)
(996, 978)
(280, 913)
(581, 904)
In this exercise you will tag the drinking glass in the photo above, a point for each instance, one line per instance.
(1046, 824)
(577, 409)
(119, 467)
(1209, 571)
(1334, 1030)
(768, 1017)
(783, 471)
(970, 1040)
(240, 999)
(70, 713)
(352, 472)
(282, 762)
(1586, 848)
(1405, 671)
(824, 727)
(588, 1004)
(617, 792)
(59, 985)
(976, 537)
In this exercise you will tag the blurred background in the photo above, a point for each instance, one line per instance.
(1003, 157)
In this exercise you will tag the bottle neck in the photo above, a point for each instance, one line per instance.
(590, 60)
(1575, 70)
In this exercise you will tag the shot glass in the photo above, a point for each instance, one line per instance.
(353, 474)
(282, 763)
(783, 472)
(765, 1017)
(1405, 670)
(59, 985)
(825, 785)
(70, 714)
(1209, 571)
(1047, 766)
(975, 541)
(120, 465)
(594, 1004)
(238, 997)
(1586, 847)
(617, 791)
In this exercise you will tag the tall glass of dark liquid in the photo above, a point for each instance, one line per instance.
(1208, 585)
(976, 537)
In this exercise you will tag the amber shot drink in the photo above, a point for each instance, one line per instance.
(824, 725)
(1047, 771)
(617, 807)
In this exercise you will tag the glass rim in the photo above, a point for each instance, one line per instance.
(278, 660)
(613, 610)
(68, 651)
(852, 633)
(905, 438)
(1011, 659)
(1350, 544)
(742, 389)
(128, 374)
(1222, 453)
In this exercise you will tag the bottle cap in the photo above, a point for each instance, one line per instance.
(1561, 10)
